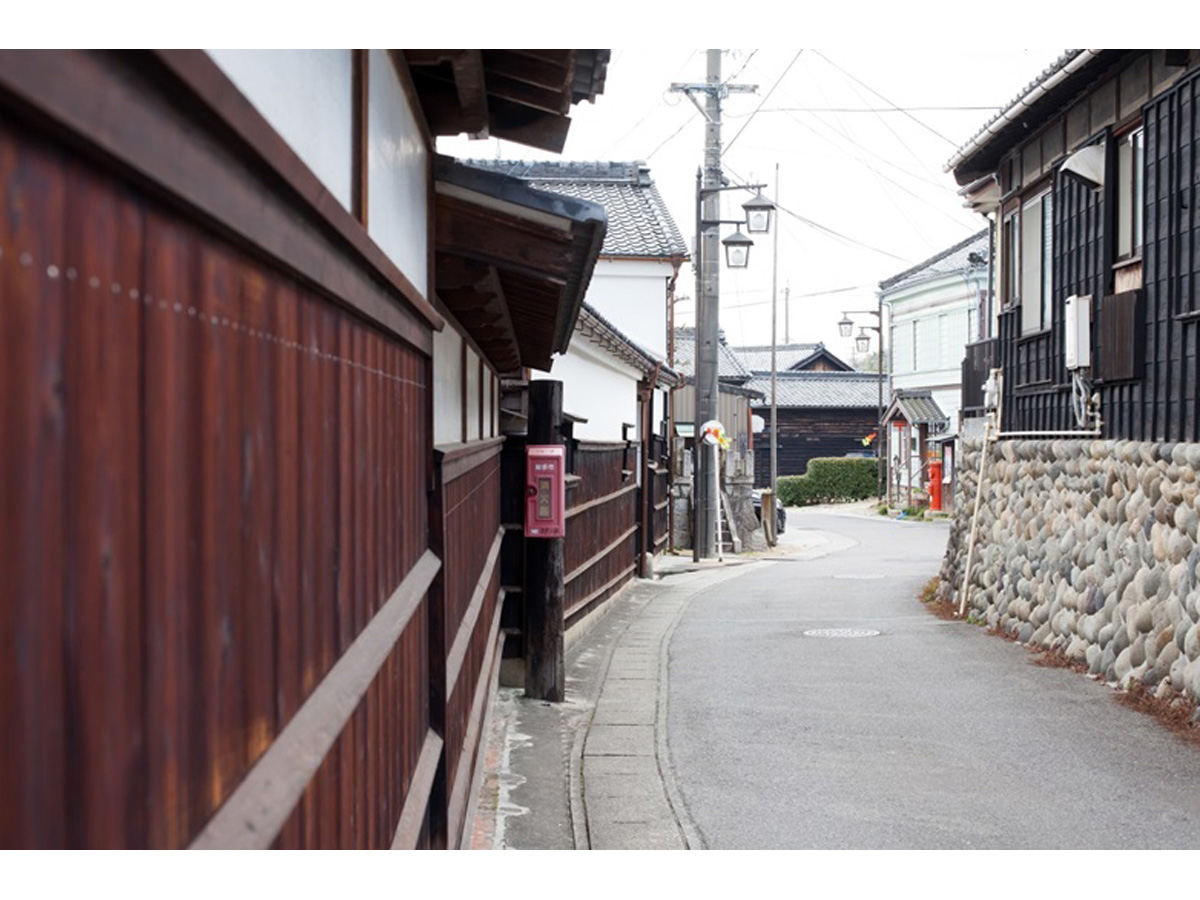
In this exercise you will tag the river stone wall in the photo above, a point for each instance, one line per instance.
(1089, 547)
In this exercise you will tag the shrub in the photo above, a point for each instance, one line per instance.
(835, 480)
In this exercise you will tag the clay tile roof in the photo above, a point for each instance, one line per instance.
(639, 225)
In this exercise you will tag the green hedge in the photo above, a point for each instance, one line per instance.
(834, 480)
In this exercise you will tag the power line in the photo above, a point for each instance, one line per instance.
(831, 292)
(886, 100)
(662, 101)
(742, 69)
(867, 150)
(674, 135)
(764, 100)
(824, 228)
(870, 109)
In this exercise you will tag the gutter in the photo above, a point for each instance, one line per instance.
(1018, 108)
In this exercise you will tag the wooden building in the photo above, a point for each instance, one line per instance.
(820, 413)
(615, 380)
(252, 336)
(1087, 178)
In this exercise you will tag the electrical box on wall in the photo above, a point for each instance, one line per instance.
(545, 491)
(1078, 332)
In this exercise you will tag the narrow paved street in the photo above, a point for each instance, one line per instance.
(930, 734)
(810, 701)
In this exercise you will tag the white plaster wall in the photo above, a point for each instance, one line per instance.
(397, 173)
(447, 386)
(306, 95)
(944, 311)
(597, 387)
(474, 395)
(488, 399)
(632, 294)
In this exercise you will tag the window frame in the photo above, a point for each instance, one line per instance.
(1040, 281)
(1130, 195)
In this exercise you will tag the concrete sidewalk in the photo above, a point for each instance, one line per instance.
(594, 771)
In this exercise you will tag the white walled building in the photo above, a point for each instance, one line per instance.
(629, 295)
(933, 312)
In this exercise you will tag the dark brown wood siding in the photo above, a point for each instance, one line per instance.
(1151, 388)
(600, 548)
(214, 477)
(466, 609)
(806, 434)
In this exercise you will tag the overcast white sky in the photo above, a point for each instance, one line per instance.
(850, 162)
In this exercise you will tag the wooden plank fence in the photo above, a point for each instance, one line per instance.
(231, 614)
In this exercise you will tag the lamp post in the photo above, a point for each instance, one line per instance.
(862, 344)
(737, 256)
(709, 183)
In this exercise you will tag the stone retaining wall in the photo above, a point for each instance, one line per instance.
(1089, 547)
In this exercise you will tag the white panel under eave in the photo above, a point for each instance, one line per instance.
(447, 386)
(474, 396)
(632, 295)
(306, 96)
(397, 173)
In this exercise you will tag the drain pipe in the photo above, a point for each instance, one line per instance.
(987, 431)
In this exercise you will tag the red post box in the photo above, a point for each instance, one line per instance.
(545, 491)
(935, 485)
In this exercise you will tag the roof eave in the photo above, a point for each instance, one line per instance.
(1025, 114)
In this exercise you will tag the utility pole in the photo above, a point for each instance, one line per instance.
(787, 313)
(708, 208)
(774, 368)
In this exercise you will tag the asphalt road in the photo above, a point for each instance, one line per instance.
(931, 734)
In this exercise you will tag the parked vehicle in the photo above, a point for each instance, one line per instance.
(780, 514)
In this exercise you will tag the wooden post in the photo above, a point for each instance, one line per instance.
(545, 673)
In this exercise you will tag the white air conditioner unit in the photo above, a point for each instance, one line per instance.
(1078, 327)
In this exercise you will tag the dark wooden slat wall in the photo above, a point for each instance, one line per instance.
(600, 549)
(33, 682)
(1162, 401)
(807, 434)
(660, 500)
(979, 360)
(213, 479)
(468, 505)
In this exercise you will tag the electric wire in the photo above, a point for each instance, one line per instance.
(824, 228)
(741, 70)
(928, 128)
(662, 101)
(767, 97)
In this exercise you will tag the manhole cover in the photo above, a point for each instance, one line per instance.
(841, 632)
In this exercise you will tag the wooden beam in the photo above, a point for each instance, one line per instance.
(472, 90)
(253, 815)
(174, 120)
(519, 66)
(544, 590)
(557, 102)
(473, 232)
(362, 93)
(483, 235)
(542, 130)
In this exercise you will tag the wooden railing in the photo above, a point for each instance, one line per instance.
(601, 545)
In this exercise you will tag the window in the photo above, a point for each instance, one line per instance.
(1130, 194)
(1008, 257)
(1036, 262)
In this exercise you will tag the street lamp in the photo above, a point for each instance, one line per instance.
(862, 344)
(758, 214)
(737, 250)
(737, 255)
